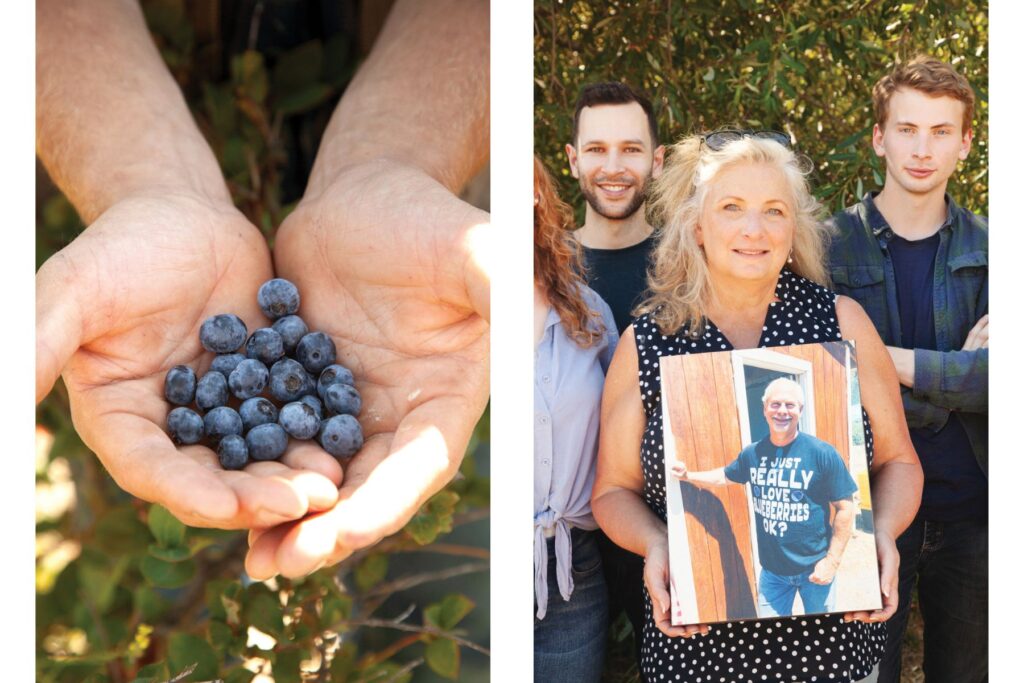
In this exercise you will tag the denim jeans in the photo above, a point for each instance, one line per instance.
(775, 594)
(569, 642)
(949, 563)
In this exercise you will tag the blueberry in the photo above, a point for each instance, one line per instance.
(341, 399)
(248, 379)
(278, 298)
(265, 345)
(334, 374)
(292, 329)
(289, 381)
(266, 442)
(232, 452)
(299, 420)
(185, 426)
(257, 411)
(225, 363)
(212, 390)
(223, 333)
(315, 351)
(180, 385)
(314, 403)
(220, 422)
(341, 436)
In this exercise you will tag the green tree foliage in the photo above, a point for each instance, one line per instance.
(803, 67)
(124, 591)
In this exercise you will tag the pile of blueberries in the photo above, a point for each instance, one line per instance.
(285, 363)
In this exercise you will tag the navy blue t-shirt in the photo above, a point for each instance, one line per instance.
(793, 487)
(955, 487)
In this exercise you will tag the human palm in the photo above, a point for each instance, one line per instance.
(388, 263)
(120, 306)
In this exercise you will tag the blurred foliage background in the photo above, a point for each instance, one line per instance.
(125, 592)
(799, 66)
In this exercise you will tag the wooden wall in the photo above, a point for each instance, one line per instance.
(704, 420)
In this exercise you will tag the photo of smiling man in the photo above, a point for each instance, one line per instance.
(796, 482)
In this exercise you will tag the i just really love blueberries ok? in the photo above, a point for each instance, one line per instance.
(264, 388)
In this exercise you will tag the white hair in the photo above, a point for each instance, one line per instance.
(782, 381)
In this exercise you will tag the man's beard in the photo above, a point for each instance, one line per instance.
(639, 197)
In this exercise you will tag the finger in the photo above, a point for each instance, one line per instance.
(59, 323)
(260, 563)
(144, 462)
(384, 487)
(660, 598)
(308, 546)
(308, 455)
(856, 616)
(318, 492)
(480, 260)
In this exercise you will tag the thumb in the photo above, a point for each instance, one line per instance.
(480, 246)
(59, 322)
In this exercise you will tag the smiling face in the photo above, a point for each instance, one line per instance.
(783, 404)
(922, 141)
(613, 158)
(747, 223)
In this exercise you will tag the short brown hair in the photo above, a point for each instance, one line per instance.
(612, 92)
(931, 76)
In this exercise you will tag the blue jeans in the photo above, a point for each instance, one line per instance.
(949, 563)
(569, 642)
(775, 594)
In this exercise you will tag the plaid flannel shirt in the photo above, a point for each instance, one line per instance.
(948, 379)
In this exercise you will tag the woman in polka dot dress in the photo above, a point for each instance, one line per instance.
(738, 265)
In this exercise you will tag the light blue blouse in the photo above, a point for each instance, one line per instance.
(567, 385)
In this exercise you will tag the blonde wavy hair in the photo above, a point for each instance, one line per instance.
(679, 286)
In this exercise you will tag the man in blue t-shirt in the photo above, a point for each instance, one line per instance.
(795, 479)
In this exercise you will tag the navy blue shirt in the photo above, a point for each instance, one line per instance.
(792, 487)
(956, 488)
(619, 276)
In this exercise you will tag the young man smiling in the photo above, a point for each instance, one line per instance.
(614, 154)
(918, 264)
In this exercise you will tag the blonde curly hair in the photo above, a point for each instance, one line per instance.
(679, 286)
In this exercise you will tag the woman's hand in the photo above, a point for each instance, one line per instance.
(656, 581)
(889, 581)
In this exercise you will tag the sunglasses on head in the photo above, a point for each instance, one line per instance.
(718, 139)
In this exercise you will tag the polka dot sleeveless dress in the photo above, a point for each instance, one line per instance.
(815, 648)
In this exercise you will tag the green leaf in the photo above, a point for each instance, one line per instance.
(100, 581)
(263, 610)
(221, 634)
(386, 671)
(445, 615)
(167, 574)
(299, 68)
(148, 603)
(239, 675)
(286, 666)
(371, 571)
(165, 527)
(304, 100)
(219, 103)
(176, 554)
(344, 661)
(185, 649)
(156, 671)
(249, 75)
(433, 519)
(443, 657)
(338, 66)
(119, 532)
(334, 609)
